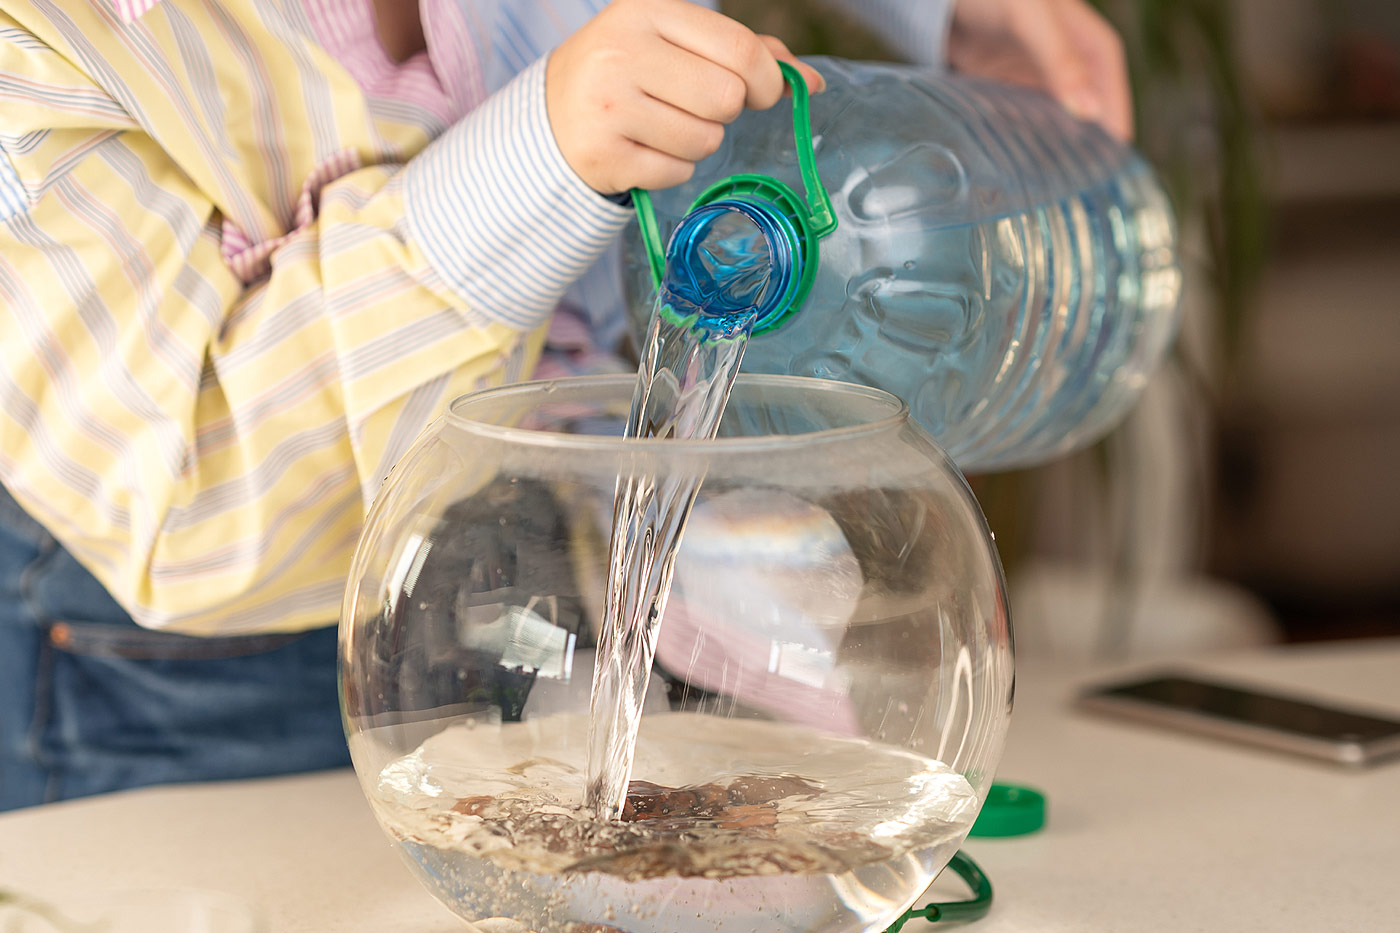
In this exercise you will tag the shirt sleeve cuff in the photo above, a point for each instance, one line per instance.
(499, 213)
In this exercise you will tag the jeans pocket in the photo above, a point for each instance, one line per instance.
(99, 640)
(126, 706)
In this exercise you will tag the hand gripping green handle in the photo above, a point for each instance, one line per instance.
(813, 217)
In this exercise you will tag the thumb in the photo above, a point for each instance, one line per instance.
(815, 82)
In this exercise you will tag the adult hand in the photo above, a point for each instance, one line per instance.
(1063, 47)
(642, 92)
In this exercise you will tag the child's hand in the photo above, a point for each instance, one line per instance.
(642, 92)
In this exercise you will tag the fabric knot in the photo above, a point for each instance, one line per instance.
(251, 261)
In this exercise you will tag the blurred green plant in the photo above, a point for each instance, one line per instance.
(1196, 123)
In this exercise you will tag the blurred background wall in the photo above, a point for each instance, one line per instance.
(1252, 497)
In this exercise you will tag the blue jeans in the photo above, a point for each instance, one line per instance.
(90, 702)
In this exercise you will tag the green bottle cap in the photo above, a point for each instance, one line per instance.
(1010, 810)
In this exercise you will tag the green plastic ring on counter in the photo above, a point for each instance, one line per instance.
(1010, 810)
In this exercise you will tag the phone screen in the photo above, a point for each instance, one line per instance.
(1262, 709)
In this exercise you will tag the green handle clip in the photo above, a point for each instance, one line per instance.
(813, 218)
(974, 908)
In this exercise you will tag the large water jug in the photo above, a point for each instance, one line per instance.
(1008, 271)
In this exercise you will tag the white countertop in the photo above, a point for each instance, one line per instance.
(1147, 830)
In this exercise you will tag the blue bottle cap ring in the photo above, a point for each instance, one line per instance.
(806, 221)
(1010, 810)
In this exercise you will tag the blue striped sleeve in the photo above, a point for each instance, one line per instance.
(916, 29)
(499, 213)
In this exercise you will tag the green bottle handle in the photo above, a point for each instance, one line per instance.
(818, 217)
(974, 908)
(651, 236)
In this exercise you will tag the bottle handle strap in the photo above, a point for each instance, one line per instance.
(819, 216)
(651, 236)
(974, 908)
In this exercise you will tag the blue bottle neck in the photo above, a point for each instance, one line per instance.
(731, 261)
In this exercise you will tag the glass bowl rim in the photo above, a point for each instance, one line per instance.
(898, 416)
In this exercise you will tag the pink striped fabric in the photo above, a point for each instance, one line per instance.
(347, 29)
(131, 10)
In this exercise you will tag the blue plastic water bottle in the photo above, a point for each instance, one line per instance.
(1008, 271)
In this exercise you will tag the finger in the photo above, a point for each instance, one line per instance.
(651, 169)
(696, 85)
(1041, 31)
(725, 42)
(815, 82)
(658, 125)
(1102, 49)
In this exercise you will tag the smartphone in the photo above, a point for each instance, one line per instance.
(1247, 715)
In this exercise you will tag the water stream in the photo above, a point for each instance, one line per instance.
(700, 325)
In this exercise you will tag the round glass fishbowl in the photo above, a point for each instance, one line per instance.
(828, 687)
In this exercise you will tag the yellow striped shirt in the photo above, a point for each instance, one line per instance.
(237, 280)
